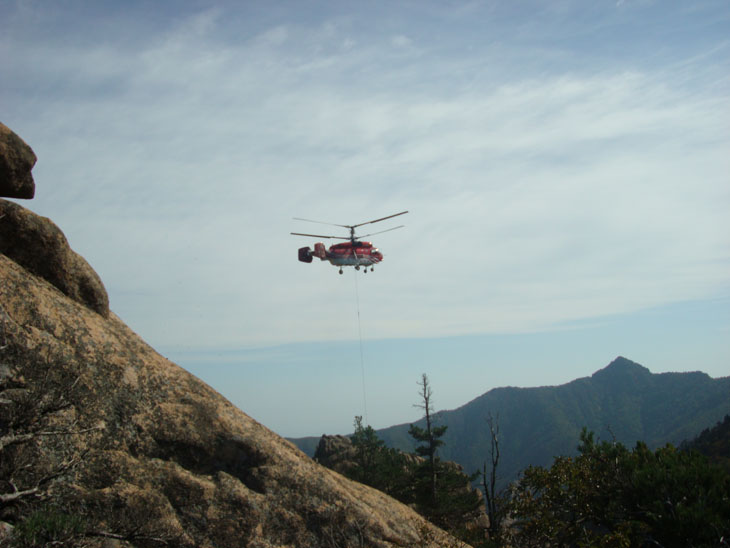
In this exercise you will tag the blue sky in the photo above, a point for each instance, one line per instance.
(565, 165)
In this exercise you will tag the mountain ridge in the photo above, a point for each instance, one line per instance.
(623, 400)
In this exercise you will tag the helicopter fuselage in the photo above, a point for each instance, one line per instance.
(355, 254)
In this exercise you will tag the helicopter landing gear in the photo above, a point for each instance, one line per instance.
(340, 271)
(357, 267)
(372, 269)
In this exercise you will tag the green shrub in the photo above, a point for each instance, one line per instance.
(48, 525)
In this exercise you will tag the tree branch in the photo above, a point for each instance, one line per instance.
(13, 439)
(6, 498)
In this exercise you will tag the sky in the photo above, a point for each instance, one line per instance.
(565, 166)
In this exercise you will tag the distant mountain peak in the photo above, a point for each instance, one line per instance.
(620, 361)
(622, 367)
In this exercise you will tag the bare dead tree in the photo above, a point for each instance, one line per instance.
(489, 480)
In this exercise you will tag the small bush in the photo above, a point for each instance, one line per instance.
(48, 525)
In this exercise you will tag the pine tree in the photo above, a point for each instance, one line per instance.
(442, 490)
(368, 453)
(430, 439)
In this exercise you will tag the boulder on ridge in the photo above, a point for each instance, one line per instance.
(39, 246)
(16, 162)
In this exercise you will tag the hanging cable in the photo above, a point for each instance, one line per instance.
(362, 359)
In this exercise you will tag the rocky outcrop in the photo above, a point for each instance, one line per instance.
(39, 246)
(16, 162)
(169, 454)
(336, 453)
(101, 434)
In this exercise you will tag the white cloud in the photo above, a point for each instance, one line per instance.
(175, 165)
(401, 41)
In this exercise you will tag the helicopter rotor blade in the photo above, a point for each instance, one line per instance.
(318, 236)
(374, 233)
(319, 222)
(376, 220)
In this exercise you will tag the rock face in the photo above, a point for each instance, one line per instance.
(168, 452)
(16, 162)
(336, 453)
(39, 246)
(128, 449)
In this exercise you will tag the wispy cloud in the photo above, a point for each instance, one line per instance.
(175, 162)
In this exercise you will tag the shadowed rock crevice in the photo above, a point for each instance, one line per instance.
(224, 455)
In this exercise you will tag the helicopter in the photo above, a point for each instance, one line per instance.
(352, 253)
